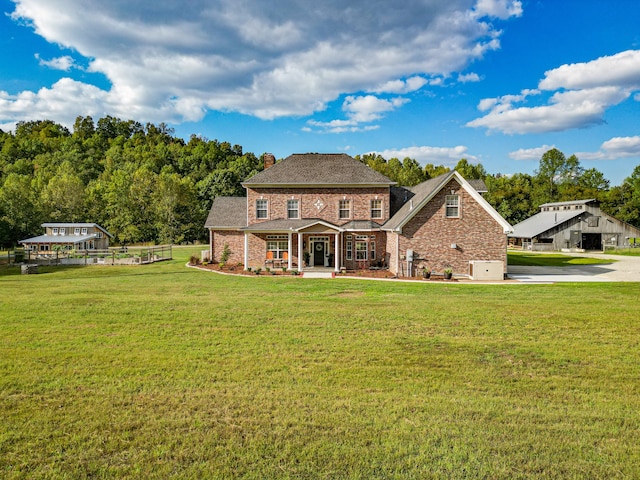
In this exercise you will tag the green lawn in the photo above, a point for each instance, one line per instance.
(162, 371)
(528, 259)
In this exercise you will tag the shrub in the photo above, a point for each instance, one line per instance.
(257, 271)
(194, 260)
(226, 253)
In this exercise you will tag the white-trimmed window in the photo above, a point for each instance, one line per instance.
(344, 209)
(54, 231)
(452, 206)
(99, 234)
(293, 208)
(349, 250)
(262, 206)
(361, 247)
(372, 249)
(84, 231)
(277, 247)
(63, 231)
(376, 208)
(76, 231)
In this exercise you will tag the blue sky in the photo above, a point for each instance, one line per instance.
(494, 81)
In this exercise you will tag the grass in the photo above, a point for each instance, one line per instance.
(518, 258)
(161, 371)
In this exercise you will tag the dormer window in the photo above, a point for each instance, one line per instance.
(76, 231)
(84, 231)
(63, 231)
(54, 231)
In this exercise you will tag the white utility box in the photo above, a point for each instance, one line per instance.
(486, 270)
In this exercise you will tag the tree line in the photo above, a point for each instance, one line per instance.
(144, 184)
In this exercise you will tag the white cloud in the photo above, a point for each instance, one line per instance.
(64, 63)
(174, 60)
(583, 93)
(499, 8)
(469, 77)
(614, 148)
(531, 153)
(448, 156)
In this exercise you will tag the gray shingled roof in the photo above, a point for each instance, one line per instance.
(227, 212)
(573, 202)
(543, 221)
(312, 169)
(356, 225)
(420, 191)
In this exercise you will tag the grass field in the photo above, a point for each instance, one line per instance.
(162, 371)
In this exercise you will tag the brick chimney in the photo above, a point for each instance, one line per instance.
(269, 160)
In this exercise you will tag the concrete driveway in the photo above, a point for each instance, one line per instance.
(623, 269)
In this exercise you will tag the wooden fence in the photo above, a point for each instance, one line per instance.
(112, 256)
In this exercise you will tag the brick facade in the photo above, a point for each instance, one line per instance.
(234, 239)
(321, 203)
(476, 235)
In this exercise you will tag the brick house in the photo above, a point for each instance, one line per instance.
(332, 211)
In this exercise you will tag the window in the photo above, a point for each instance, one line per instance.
(452, 206)
(76, 231)
(376, 208)
(361, 247)
(99, 234)
(593, 221)
(54, 231)
(349, 250)
(372, 248)
(293, 210)
(261, 208)
(344, 209)
(277, 247)
(84, 231)
(63, 231)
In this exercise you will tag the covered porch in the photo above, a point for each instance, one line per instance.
(302, 244)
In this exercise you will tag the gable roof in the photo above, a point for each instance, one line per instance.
(227, 213)
(318, 169)
(424, 193)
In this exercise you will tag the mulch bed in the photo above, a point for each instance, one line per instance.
(362, 273)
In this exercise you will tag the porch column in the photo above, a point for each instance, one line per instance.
(336, 253)
(210, 245)
(246, 250)
(300, 260)
(289, 259)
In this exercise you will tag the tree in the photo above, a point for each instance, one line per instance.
(470, 171)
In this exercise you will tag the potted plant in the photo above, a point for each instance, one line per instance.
(426, 273)
(448, 272)
(306, 256)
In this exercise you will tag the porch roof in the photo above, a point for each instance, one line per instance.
(361, 225)
(62, 239)
(289, 225)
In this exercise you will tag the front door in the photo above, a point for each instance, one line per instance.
(318, 254)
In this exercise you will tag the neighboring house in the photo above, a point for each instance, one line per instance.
(578, 224)
(69, 236)
(334, 211)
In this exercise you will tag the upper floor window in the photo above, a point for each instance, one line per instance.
(452, 206)
(54, 231)
(84, 231)
(344, 209)
(261, 208)
(63, 231)
(76, 231)
(293, 209)
(376, 208)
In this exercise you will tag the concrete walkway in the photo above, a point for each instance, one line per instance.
(622, 269)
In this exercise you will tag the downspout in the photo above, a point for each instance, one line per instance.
(397, 252)
(210, 245)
